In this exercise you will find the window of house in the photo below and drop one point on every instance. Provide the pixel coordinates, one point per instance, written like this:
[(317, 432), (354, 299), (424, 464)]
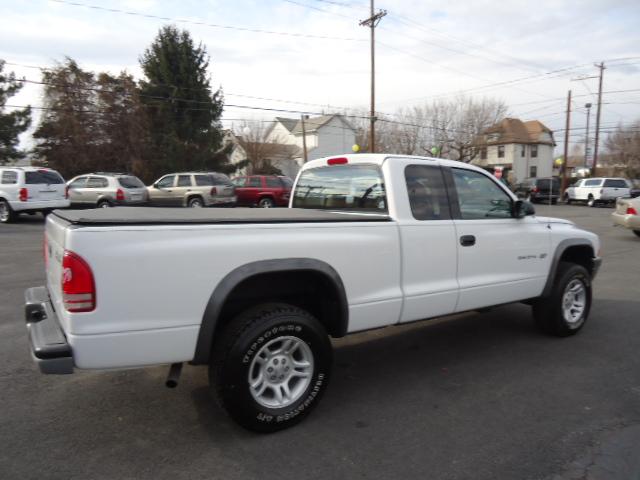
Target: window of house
[(533, 171), (483, 153), (9, 177), (534, 151), (184, 180), (523, 150), (479, 196), (427, 194), (500, 151)]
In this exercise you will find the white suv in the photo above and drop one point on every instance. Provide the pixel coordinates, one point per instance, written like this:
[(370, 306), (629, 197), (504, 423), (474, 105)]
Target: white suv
[(30, 190), (597, 190)]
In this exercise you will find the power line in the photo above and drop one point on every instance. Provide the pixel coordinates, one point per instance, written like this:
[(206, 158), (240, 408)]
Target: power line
[(206, 24)]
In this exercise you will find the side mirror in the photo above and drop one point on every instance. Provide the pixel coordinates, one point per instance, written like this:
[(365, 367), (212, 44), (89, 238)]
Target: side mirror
[(155, 185), (522, 208)]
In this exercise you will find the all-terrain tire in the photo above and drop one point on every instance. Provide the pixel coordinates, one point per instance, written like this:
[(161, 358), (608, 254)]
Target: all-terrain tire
[(559, 314), (248, 348)]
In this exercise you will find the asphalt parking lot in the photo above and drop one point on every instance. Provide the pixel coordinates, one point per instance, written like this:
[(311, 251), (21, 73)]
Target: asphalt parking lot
[(480, 396)]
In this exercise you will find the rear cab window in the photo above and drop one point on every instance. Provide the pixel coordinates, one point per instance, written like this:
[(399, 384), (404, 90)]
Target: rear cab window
[(341, 187), (42, 177)]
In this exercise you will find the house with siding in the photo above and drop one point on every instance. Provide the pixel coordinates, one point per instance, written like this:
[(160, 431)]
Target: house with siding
[(325, 135), (520, 149)]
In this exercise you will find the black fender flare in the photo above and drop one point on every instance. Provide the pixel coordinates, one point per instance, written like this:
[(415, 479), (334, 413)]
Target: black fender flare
[(555, 261), (235, 277)]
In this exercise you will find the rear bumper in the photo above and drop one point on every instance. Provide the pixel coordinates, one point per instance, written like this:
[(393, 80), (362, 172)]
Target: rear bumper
[(222, 201), (39, 205), (49, 346), (627, 221)]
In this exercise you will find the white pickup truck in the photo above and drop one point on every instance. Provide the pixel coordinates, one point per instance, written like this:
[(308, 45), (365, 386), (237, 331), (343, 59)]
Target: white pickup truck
[(256, 294)]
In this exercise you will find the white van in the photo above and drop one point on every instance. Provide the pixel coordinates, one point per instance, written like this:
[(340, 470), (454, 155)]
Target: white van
[(30, 190)]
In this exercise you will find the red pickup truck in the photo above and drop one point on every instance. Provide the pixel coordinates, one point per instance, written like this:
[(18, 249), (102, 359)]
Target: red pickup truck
[(265, 191)]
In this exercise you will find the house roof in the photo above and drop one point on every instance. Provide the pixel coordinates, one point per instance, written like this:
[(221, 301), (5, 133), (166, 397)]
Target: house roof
[(514, 130), (311, 124), (288, 123)]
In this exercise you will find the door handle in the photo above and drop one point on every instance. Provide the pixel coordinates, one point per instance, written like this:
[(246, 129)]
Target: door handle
[(467, 240)]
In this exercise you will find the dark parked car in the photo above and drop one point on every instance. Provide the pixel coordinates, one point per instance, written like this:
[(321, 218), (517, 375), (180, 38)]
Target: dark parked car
[(544, 190), (265, 191)]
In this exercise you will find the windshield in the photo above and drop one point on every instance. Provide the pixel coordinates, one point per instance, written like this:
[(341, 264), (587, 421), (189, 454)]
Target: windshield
[(130, 182), (343, 187)]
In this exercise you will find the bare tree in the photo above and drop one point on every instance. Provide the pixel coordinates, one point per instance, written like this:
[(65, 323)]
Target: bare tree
[(262, 149), (623, 146), (451, 126)]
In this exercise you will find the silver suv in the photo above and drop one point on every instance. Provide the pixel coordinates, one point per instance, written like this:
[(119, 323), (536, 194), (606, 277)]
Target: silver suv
[(193, 189), (103, 190)]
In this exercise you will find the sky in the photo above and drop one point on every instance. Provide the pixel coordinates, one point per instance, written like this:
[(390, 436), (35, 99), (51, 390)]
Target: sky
[(312, 55)]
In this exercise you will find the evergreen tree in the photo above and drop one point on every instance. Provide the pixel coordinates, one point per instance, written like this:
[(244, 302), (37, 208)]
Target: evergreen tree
[(12, 124), (184, 114)]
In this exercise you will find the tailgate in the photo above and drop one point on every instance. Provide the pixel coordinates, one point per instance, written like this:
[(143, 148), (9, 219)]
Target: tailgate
[(55, 232), (44, 185)]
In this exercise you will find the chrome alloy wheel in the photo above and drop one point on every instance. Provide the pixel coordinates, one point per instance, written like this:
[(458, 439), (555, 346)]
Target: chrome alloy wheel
[(280, 372), (4, 212), (574, 301)]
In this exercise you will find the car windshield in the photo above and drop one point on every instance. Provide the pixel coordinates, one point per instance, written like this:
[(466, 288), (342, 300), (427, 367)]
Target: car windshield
[(130, 182), (39, 177)]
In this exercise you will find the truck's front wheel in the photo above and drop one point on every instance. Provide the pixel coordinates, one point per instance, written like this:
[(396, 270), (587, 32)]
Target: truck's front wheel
[(270, 367), (565, 311)]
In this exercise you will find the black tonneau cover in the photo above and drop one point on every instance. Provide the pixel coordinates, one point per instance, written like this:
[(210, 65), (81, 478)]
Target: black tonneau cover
[(162, 216)]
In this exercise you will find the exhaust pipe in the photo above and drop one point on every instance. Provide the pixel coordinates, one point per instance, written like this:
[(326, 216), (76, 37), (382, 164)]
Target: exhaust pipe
[(174, 374)]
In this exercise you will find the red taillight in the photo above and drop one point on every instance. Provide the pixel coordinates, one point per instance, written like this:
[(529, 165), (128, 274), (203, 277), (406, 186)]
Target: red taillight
[(45, 250), (66, 192), (631, 211), (23, 195), (78, 287), (214, 191), (119, 195), (337, 161), (534, 189)]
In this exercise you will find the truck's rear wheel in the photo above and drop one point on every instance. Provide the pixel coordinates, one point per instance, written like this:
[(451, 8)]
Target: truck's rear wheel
[(270, 367), (7, 214), (565, 311)]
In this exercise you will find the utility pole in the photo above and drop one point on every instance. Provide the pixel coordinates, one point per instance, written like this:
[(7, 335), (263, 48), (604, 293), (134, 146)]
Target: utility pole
[(304, 138), (595, 147), (372, 22), (566, 144), (586, 137)]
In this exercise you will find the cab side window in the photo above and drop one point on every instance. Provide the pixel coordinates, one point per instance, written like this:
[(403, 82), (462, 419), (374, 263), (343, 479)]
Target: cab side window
[(479, 196), (78, 182), (255, 182), (427, 193)]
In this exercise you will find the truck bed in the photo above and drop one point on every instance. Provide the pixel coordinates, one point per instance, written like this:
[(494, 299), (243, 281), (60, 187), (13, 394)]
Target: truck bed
[(173, 216)]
